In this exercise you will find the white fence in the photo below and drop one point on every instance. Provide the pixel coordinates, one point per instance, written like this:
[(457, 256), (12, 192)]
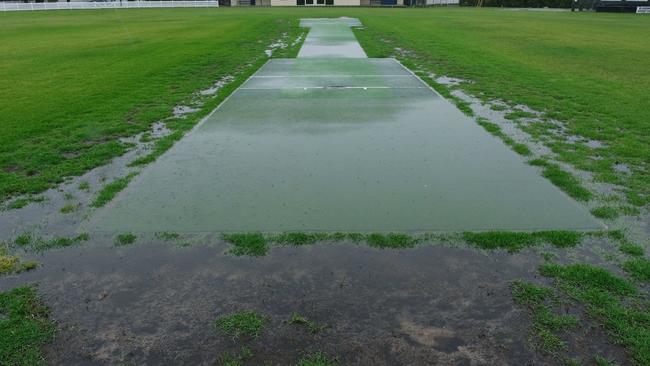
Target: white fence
[(442, 2), (6, 6)]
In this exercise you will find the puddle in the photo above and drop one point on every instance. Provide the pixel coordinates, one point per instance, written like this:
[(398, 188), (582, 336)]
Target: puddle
[(156, 304), (217, 86), (264, 162), (622, 168), (181, 111), (445, 80), (287, 151)]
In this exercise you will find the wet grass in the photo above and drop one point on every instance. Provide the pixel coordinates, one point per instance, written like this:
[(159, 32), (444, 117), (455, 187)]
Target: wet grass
[(495, 130), (563, 72), (299, 238), (391, 240), (258, 244), (39, 244), (24, 327), (515, 241), (638, 268), (245, 323), (22, 202), (517, 114), (110, 190), (84, 186), (11, 263), (605, 212), (565, 181), (78, 81), (70, 208), (547, 325), (611, 300), (317, 359), (125, 239), (631, 249), (251, 244)]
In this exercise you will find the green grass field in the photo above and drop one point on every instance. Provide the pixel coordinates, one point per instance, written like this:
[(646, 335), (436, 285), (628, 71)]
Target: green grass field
[(586, 70), (73, 82)]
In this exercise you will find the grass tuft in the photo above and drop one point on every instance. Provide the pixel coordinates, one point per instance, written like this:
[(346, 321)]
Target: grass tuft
[(610, 299), (125, 239), (563, 180), (69, 208), (84, 186), (22, 202), (41, 244), (23, 239), (110, 190), (252, 244), (631, 249), (546, 324), (638, 268), (605, 212), (529, 294), (245, 323), (588, 277)]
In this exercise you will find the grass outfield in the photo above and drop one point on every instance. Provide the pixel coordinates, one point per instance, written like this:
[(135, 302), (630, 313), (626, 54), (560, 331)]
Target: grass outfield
[(71, 82), (587, 70)]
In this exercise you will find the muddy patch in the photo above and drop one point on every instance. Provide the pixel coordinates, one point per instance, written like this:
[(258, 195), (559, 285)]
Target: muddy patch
[(156, 304)]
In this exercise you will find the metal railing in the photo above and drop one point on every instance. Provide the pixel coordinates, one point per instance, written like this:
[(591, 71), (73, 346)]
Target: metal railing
[(74, 5)]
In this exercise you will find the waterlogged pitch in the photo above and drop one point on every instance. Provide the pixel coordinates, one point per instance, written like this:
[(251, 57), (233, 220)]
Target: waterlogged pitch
[(339, 143)]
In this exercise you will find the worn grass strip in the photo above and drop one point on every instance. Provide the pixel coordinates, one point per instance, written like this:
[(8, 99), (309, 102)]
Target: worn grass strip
[(106, 194), (515, 241), (28, 241), (258, 244)]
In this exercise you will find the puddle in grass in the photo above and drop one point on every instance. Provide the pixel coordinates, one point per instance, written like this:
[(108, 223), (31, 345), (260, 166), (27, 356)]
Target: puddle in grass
[(154, 303)]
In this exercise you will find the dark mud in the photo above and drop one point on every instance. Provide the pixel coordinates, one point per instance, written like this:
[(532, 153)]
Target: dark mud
[(156, 303)]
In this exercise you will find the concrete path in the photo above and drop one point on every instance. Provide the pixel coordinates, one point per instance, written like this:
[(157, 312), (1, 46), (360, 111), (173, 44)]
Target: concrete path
[(339, 144)]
